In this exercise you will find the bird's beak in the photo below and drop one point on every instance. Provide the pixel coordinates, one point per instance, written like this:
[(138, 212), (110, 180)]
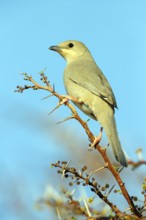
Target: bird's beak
[(55, 48)]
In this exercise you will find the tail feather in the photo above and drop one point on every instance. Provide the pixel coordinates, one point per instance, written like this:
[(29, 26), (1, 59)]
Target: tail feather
[(112, 135)]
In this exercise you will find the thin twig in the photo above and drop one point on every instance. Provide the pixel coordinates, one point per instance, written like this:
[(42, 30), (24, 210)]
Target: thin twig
[(136, 164), (95, 171)]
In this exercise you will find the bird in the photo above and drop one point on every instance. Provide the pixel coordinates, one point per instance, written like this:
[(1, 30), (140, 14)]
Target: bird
[(89, 89)]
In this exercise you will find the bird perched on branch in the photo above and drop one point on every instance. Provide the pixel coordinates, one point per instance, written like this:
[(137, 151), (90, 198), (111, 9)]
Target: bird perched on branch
[(89, 89)]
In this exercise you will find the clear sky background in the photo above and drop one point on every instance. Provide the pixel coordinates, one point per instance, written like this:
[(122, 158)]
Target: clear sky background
[(115, 33)]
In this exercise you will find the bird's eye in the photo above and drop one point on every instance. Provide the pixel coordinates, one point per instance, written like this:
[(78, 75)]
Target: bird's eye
[(70, 45)]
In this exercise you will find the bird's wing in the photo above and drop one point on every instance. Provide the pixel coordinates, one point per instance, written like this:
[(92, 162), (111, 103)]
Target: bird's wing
[(92, 78)]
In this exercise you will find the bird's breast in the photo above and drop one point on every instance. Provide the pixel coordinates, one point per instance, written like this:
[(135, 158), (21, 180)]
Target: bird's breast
[(84, 96)]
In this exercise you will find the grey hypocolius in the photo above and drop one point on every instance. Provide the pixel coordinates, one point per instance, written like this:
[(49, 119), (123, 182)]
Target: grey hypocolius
[(85, 82)]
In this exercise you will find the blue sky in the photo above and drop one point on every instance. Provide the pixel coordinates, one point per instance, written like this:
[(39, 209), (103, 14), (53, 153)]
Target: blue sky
[(115, 33)]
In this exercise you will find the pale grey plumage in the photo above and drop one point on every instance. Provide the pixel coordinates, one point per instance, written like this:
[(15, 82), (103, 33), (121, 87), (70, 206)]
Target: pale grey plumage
[(84, 80)]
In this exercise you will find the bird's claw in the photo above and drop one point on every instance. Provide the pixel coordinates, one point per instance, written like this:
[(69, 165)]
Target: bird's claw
[(64, 101), (66, 98), (96, 140)]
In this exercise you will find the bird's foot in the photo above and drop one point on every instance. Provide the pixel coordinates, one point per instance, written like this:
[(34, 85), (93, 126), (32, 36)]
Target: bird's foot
[(96, 140), (66, 98)]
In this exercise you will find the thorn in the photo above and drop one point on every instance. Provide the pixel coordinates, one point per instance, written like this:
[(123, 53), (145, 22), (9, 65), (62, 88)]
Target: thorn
[(61, 102), (121, 169), (53, 87), (106, 147), (42, 71), (58, 105), (111, 190), (47, 96), (66, 119), (65, 169), (72, 192), (87, 208), (94, 171), (58, 213)]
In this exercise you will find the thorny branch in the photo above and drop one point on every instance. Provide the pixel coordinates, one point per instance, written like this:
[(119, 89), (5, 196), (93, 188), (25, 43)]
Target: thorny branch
[(47, 86), (77, 207), (80, 177)]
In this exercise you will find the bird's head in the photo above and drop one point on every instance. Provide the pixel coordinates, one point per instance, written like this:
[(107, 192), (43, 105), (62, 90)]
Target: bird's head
[(71, 50)]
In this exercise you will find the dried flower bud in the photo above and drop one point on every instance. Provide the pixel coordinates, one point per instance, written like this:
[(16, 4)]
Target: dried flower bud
[(106, 185), (95, 184), (84, 168)]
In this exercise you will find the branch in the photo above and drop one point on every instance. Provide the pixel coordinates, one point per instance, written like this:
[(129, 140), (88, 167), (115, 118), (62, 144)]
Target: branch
[(91, 137), (79, 177), (136, 164)]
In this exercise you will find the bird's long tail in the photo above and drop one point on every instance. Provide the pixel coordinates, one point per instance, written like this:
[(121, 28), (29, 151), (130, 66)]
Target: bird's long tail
[(112, 135)]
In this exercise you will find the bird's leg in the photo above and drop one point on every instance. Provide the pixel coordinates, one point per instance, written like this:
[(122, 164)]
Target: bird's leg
[(97, 139), (66, 98)]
